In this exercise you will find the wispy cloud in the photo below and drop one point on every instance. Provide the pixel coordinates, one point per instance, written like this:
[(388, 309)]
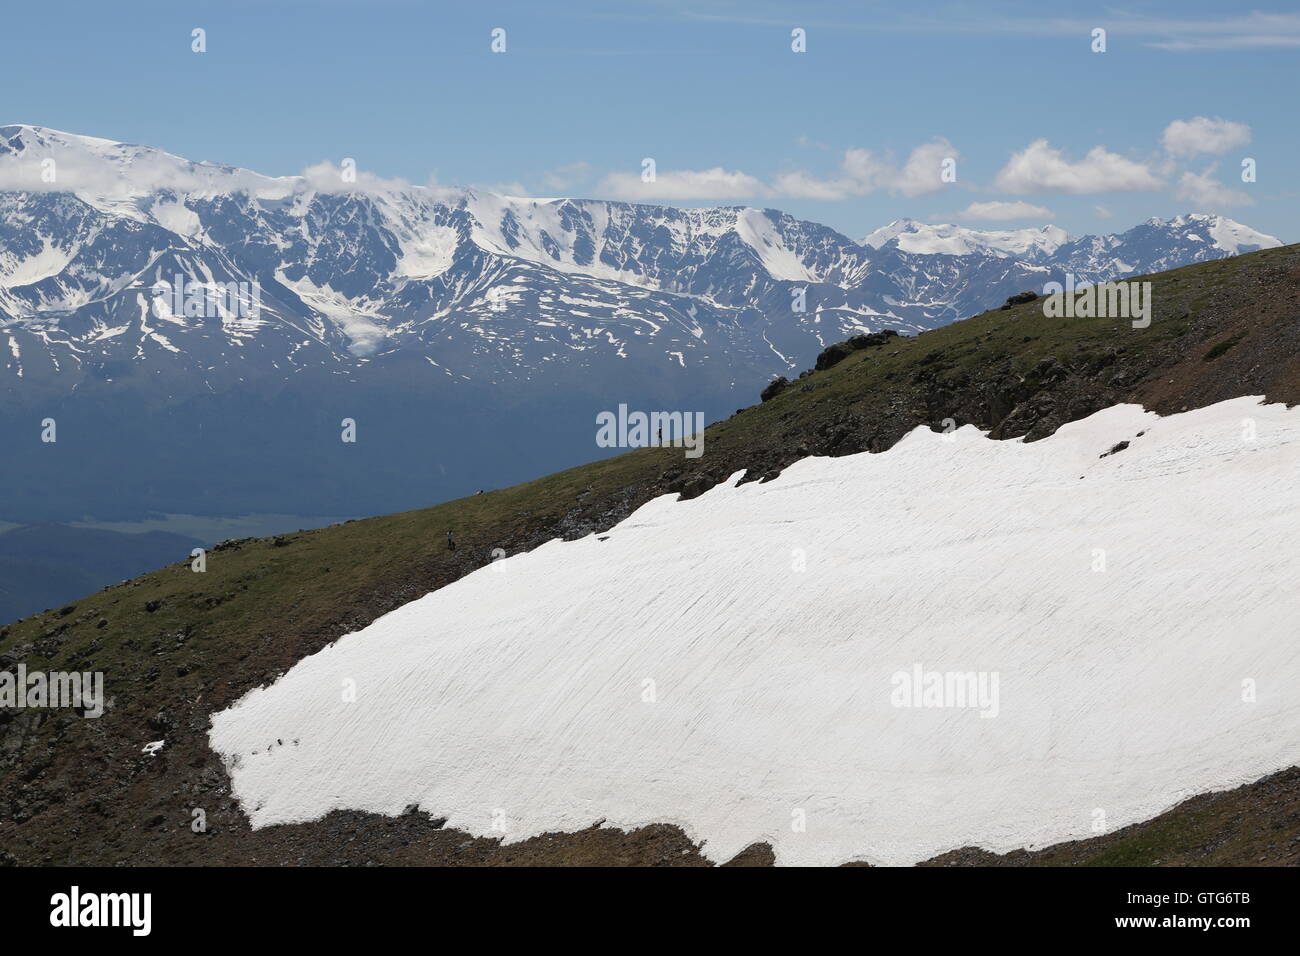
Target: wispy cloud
[(567, 176), (1247, 31), (1253, 30)]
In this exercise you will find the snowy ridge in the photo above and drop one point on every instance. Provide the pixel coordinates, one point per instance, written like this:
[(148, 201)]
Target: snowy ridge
[(949, 240), (682, 668)]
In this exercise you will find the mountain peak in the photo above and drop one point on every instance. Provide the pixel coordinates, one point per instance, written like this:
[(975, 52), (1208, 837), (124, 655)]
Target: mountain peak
[(1218, 231)]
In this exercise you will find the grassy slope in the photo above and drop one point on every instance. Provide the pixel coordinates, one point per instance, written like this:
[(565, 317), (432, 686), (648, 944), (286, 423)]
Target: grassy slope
[(176, 646)]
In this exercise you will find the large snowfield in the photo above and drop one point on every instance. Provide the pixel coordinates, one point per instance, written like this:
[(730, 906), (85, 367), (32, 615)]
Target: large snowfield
[(738, 664)]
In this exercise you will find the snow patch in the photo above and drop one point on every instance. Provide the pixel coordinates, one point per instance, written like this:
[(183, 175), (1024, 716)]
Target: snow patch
[(758, 232), (683, 668)]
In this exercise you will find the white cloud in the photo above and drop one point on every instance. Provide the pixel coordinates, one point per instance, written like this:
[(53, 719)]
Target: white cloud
[(862, 172), (803, 185), (1040, 168), (922, 173), (1102, 212), (715, 183), (1204, 135), (325, 177), (1208, 193), (998, 211)]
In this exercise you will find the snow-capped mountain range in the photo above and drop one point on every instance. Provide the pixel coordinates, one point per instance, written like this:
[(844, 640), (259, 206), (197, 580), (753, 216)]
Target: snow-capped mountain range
[(458, 304), (484, 287), (1155, 245)]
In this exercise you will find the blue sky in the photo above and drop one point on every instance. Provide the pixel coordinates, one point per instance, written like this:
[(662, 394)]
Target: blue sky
[(848, 133)]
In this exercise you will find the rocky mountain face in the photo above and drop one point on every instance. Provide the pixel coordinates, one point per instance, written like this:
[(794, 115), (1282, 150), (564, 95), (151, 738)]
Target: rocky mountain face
[(198, 332)]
